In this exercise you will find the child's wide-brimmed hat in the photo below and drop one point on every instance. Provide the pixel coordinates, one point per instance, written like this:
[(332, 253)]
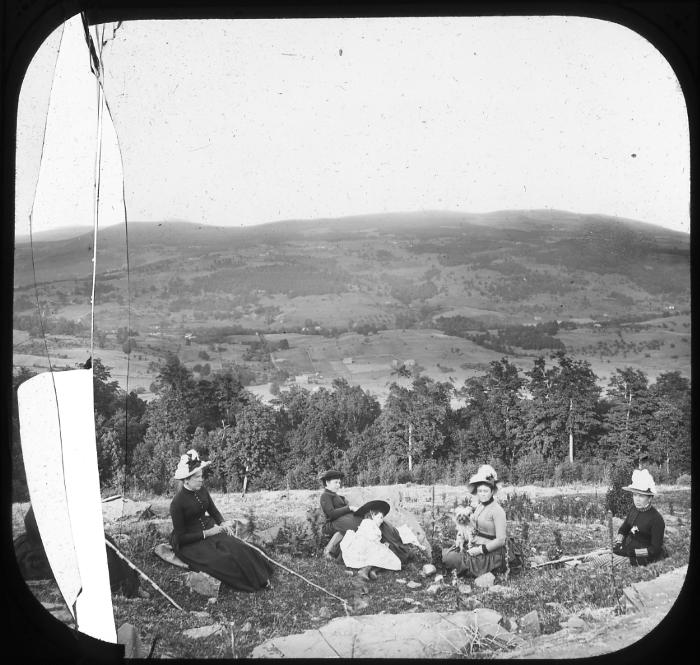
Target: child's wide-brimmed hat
[(331, 474), (642, 483), (189, 463), (486, 475), (376, 504)]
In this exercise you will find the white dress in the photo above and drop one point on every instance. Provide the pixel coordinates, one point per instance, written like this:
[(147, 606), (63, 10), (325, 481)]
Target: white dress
[(363, 548)]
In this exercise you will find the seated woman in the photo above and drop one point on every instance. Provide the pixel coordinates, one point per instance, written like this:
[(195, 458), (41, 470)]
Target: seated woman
[(487, 552), (640, 538), (205, 541), (340, 518), (363, 548)]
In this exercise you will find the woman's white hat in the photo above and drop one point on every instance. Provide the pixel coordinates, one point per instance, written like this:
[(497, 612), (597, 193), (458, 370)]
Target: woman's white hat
[(188, 464), (642, 483), (486, 475)]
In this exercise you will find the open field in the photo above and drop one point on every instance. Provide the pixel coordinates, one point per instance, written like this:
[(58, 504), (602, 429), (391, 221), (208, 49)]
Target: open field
[(568, 515)]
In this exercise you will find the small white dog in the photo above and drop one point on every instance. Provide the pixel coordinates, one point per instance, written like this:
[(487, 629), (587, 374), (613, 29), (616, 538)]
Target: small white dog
[(465, 531)]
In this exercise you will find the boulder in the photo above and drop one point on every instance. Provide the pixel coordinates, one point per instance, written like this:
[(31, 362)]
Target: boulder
[(119, 508), (464, 589), (484, 581), (204, 631), (574, 623), (412, 634), (413, 585), (203, 584), (428, 569), (530, 623), (129, 637)]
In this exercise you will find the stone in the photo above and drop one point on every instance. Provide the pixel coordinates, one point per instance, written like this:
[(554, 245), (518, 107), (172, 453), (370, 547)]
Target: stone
[(204, 631), (246, 627), (410, 601), (324, 613), (530, 623), (129, 637), (428, 569), (439, 578), (433, 588), (203, 584), (575, 623), (464, 589), (484, 581), (400, 580), (413, 585), (118, 508), (200, 615), (411, 634), (212, 601)]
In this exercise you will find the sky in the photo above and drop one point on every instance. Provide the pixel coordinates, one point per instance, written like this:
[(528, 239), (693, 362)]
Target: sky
[(244, 122)]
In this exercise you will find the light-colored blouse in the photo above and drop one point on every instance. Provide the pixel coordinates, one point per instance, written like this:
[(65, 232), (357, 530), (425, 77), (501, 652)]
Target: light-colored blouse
[(490, 519)]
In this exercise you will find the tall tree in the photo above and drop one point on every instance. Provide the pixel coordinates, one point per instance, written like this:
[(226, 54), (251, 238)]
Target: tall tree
[(563, 417), (494, 408), (254, 444), (630, 420), (415, 420)]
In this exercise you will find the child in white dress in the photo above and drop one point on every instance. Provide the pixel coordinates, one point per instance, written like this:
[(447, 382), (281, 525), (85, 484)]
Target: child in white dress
[(363, 548)]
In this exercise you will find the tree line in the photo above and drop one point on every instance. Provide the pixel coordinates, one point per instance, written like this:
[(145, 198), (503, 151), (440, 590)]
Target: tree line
[(553, 421)]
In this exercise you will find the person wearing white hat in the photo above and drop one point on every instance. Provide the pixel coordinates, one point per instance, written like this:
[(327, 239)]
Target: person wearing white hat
[(489, 524), (204, 541), (641, 535)]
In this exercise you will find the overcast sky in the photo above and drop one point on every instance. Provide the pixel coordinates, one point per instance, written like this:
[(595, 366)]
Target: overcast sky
[(251, 121)]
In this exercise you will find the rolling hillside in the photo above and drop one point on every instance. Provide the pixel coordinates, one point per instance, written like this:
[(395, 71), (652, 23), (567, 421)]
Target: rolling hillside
[(360, 275)]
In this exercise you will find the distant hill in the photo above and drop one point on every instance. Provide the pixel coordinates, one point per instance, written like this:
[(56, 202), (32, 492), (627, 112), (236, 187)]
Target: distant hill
[(388, 269)]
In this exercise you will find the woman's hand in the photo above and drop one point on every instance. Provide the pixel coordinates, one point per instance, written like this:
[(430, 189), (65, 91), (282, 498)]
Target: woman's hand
[(475, 551), (229, 527), (353, 508), (214, 530)]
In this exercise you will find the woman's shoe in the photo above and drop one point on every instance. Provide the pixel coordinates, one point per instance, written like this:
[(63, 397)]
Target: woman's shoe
[(364, 573)]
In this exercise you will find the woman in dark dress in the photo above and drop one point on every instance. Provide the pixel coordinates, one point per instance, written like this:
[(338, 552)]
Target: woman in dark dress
[(204, 541), (340, 518), (486, 553), (640, 538)]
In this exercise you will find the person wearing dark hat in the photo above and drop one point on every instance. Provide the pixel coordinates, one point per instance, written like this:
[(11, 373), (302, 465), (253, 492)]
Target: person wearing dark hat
[(363, 548), (339, 513), (204, 541), (641, 536), (488, 521), (341, 518)]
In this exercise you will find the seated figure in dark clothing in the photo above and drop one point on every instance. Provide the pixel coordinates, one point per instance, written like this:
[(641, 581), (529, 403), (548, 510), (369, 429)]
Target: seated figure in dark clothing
[(641, 535), (33, 564), (204, 541), (341, 517)]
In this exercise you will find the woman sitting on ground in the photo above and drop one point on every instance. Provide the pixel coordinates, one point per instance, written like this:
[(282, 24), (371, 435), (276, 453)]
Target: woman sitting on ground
[(363, 548), (341, 517), (204, 541), (640, 538), (486, 552)]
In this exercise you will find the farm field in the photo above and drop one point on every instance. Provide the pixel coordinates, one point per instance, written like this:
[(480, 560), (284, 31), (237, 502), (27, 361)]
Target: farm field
[(571, 518)]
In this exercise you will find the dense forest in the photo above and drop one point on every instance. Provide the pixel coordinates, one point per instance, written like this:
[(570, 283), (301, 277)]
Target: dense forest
[(525, 424)]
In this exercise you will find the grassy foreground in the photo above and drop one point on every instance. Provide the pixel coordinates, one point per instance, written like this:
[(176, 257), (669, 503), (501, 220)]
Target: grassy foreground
[(570, 522)]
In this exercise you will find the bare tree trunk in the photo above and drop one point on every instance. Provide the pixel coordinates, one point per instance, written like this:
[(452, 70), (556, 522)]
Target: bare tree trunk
[(571, 431)]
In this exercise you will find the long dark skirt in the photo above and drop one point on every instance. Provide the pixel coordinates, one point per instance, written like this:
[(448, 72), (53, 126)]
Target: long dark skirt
[(227, 559), (472, 566)]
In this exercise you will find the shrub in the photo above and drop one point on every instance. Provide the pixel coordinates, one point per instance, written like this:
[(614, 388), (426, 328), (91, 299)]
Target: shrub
[(617, 500), (531, 468), (683, 479), (567, 472)]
